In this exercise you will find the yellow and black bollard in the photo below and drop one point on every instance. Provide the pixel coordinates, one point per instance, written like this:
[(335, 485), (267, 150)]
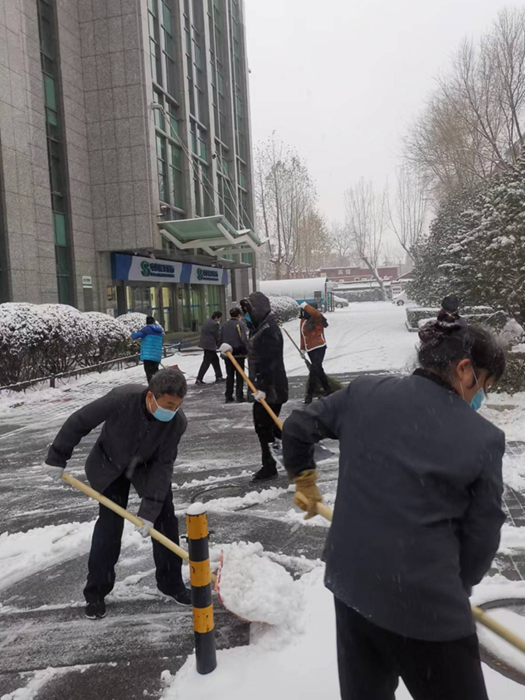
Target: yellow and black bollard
[(200, 579)]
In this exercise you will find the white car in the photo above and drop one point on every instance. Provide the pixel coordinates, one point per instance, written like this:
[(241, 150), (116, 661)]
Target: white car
[(402, 298), (340, 303)]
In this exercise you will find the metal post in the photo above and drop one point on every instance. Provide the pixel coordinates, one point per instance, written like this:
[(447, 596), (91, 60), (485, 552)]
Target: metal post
[(200, 579)]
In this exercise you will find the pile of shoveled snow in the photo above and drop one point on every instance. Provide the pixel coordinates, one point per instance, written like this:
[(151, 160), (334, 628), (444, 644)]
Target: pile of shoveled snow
[(256, 588), (298, 663)]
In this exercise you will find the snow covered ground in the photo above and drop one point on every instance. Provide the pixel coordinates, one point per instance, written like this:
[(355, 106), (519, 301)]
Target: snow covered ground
[(46, 531)]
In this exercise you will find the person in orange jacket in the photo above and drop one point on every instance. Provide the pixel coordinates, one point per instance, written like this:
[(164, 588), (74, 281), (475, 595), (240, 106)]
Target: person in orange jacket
[(313, 343)]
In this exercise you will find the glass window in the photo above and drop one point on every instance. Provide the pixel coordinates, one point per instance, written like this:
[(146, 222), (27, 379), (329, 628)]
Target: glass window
[(166, 18), (220, 83), (62, 257), (198, 55), (161, 168), (59, 226), (203, 150), (50, 94), (64, 295), (171, 76), (176, 179), (152, 6), (197, 190)]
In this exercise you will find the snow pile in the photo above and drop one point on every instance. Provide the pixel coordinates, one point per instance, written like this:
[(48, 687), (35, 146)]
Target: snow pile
[(37, 683), (285, 308), (23, 554), (256, 588), (280, 663), (254, 498)]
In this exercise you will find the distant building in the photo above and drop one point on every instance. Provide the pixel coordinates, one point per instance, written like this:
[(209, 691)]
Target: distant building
[(125, 156), (358, 274)]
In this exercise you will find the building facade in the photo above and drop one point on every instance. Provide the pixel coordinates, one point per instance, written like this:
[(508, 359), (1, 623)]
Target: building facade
[(358, 274), (125, 156)]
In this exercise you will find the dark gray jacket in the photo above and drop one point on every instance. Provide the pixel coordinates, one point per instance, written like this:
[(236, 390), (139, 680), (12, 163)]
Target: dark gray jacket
[(210, 335), (418, 513), (234, 333), (131, 442)]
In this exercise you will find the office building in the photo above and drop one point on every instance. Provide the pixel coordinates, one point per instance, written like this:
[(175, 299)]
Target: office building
[(125, 156)]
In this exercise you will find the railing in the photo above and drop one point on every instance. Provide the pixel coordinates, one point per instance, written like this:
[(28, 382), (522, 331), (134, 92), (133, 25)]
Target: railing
[(119, 362)]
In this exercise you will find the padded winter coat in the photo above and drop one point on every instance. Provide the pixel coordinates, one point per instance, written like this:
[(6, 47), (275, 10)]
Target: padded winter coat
[(131, 442), (235, 334), (312, 330), (418, 510), (266, 351), (150, 342), (209, 339)]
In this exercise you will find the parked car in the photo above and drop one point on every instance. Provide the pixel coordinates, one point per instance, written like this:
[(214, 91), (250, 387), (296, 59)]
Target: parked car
[(340, 303), (402, 299)]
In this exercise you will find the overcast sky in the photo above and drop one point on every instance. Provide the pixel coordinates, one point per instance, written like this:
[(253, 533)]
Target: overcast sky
[(340, 80)]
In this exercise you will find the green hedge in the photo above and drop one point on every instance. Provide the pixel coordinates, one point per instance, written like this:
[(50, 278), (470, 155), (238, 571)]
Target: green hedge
[(475, 314)]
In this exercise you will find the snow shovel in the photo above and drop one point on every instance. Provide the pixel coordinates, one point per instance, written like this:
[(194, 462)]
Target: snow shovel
[(479, 615), (334, 384), (182, 553), (321, 453)]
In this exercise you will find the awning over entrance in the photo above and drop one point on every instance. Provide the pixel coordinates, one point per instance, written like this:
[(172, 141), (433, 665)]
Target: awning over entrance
[(214, 234)]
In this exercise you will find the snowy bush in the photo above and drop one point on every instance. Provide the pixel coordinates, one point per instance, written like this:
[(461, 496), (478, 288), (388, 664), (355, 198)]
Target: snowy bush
[(285, 308), (362, 295), (22, 337), (474, 314), (132, 321), (513, 380), (69, 339), (112, 339), (39, 340)]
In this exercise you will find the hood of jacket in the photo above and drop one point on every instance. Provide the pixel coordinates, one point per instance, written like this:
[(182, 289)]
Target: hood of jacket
[(154, 329), (260, 308)]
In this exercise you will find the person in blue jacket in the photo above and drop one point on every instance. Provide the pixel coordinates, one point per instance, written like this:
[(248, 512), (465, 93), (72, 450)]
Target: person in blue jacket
[(150, 337)]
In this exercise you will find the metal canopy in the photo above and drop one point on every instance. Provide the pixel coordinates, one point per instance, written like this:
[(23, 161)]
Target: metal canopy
[(214, 234)]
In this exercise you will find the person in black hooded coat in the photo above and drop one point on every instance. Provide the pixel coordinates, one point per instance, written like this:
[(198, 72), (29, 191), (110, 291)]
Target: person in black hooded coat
[(268, 374)]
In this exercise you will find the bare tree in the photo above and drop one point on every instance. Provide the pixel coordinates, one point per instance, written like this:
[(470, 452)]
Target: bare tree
[(314, 244), (341, 243), (366, 217), (472, 124), (284, 195), (408, 214)]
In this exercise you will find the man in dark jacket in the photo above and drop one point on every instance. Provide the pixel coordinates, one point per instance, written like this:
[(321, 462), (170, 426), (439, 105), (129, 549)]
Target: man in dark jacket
[(234, 334), (150, 337), (137, 445), (269, 375), (209, 342)]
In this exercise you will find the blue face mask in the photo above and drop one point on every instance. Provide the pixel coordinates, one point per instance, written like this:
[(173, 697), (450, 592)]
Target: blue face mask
[(477, 399), (163, 414), (248, 318)]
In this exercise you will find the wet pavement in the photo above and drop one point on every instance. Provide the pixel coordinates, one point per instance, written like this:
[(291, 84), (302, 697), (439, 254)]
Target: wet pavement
[(123, 656)]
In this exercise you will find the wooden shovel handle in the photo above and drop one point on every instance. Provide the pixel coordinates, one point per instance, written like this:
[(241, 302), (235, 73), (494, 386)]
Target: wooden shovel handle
[(321, 509), (182, 553), (479, 615), (239, 369)]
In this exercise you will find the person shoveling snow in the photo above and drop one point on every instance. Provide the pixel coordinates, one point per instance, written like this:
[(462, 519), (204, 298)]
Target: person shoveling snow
[(138, 445), (417, 516)]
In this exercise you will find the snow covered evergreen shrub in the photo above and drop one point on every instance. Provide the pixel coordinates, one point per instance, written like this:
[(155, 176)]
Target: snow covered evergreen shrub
[(132, 321), (69, 340), (111, 338), (513, 380), (22, 338), (285, 308), (362, 295), (474, 314)]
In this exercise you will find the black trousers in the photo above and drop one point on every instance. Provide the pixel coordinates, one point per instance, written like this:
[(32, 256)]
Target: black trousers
[(210, 358), (371, 661), (317, 376), (234, 378), (107, 537), (150, 368), (265, 427)]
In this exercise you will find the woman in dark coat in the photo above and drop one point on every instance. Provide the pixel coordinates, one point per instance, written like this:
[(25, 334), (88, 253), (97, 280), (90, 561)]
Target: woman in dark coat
[(268, 374), (417, 516)]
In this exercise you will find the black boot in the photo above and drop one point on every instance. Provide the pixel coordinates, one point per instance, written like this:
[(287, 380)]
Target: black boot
[(269, 467)]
